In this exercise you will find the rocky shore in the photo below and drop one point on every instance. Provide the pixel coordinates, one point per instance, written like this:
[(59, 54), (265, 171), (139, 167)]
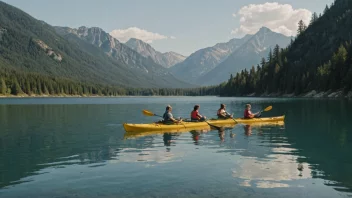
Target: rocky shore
[(311, 94)]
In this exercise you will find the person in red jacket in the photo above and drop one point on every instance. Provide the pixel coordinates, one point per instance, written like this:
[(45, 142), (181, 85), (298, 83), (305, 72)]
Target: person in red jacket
[(248, 114), (195, 116)]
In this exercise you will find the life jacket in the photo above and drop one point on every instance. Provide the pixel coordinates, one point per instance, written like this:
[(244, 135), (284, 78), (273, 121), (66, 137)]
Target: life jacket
[(194, 115), (246, 113)]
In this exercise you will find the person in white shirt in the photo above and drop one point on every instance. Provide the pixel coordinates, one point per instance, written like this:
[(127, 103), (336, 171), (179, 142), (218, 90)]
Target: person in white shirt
[(222, 114)]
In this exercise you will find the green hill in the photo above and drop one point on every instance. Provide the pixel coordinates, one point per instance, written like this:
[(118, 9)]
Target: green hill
[(31, 46)]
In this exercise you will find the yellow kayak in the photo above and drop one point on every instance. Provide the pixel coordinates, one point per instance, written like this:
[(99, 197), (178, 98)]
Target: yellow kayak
[(196, 125), (137, 134)]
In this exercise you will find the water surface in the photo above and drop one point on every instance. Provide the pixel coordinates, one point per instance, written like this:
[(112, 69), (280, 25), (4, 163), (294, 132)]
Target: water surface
[(76, 147)]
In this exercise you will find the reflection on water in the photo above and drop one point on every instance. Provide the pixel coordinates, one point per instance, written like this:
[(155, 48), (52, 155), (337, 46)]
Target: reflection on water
[(248, 130), (83, 151)]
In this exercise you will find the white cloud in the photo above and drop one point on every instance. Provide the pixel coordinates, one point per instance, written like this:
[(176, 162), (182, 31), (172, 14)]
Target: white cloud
[(281, 18), (123, 35), (172, 37)]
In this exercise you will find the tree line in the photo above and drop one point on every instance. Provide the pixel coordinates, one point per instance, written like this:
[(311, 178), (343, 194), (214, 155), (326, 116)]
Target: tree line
[(18, 83)]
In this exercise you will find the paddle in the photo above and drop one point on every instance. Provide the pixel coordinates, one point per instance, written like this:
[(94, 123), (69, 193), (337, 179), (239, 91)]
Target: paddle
[(234, 120), (264, 110), (267, 109), (149, 113), (218, 128)]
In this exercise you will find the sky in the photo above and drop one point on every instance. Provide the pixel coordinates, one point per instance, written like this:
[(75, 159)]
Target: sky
[(182, 26)]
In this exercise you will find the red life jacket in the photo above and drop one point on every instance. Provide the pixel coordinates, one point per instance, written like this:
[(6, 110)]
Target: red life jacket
[(194, 115), (246, 113)]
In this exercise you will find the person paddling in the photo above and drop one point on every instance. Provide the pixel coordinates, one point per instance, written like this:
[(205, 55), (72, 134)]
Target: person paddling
[(195, 116), (248, 114), (222, 114), (168, 117)]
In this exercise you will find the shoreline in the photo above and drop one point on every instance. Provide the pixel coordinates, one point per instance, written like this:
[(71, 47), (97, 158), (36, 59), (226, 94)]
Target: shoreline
[(311, 94), (88, 96)]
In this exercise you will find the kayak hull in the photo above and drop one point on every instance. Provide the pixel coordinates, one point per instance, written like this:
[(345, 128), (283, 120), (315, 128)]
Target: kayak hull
[(137, 134), (197, 125), (164, 127)]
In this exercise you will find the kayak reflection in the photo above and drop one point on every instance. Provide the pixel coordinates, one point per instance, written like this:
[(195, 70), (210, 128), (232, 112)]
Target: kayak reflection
[(221, 133), (247, 130), (195, 137), (169, 137)]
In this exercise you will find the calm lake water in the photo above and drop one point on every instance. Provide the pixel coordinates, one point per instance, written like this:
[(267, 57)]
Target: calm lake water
[(77, 147)]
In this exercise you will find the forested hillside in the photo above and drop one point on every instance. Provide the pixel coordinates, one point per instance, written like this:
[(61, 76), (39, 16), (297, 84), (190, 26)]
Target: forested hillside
[(318, 59), (19, 83), (30, 45)]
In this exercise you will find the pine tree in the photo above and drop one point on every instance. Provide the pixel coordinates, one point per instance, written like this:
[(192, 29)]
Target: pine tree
[(231, 78), (45, 89), (276, 52), (270, 57), (326, 9), (277, 68), (28, 88), (16, 88), (301, 27), (291, 42), (3, 88), (263, 62), (39, 87), (314, 18)]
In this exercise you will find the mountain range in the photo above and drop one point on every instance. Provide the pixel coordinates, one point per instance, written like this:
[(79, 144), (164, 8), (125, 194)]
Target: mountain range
[(89, 54), (247, 55), (120, 52), (202, 61), (213, 65)]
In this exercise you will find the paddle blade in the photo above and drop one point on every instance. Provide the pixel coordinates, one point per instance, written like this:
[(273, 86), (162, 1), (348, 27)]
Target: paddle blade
[(148, 113), (268, 108)]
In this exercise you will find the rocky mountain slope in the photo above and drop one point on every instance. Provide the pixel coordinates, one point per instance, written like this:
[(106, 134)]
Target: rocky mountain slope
[(159, 76), (204, 60), (213, 65), (249, 54), (167, 59)]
